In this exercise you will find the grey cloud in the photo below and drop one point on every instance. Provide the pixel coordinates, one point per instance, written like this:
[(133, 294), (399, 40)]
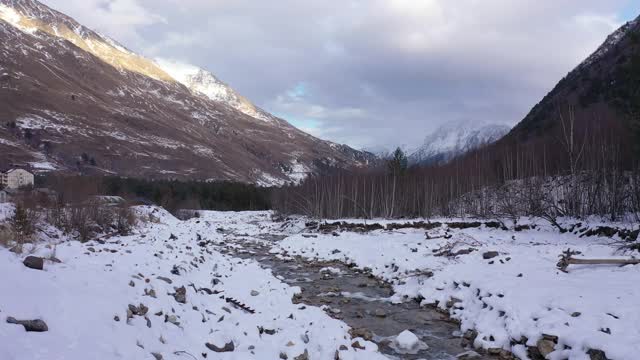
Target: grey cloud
[(376, 72)]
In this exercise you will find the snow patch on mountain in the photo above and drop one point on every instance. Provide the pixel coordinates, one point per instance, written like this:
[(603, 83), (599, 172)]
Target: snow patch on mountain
[(456, 138), (205, 83), (267, 180), (295, 172), (611, 41), (298, 171), (43, 165), (11, 16)]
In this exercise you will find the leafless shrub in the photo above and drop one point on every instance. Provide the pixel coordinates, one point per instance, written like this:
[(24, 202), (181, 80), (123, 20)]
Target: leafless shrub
[(79, 222), (87, 220), (55, 213), (124, 219), (7, 236), (23, 223), (152, 219)]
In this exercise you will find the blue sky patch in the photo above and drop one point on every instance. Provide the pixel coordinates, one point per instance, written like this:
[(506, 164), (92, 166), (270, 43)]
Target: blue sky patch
[(631, 10)]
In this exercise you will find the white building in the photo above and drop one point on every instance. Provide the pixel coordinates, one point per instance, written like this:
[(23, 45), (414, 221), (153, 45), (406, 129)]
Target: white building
[(16, 178)]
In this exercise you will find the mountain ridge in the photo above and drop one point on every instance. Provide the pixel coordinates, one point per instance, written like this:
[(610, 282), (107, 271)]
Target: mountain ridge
[(205, 83), (602, 87), (75, 103), (454, 139)]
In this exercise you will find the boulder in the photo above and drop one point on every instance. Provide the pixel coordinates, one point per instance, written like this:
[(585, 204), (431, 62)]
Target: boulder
[(545, 347), (34, 262), (408, 343), (303, 356), (362, 333), (228, 347), (597, 354), (181, 295), (470, 335), (490, 255), (141, 310), (30, 325), (407, 340)]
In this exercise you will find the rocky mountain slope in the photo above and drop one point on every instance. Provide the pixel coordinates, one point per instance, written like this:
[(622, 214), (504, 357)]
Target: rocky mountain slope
[(202, 82), (456, 138), (604, 87), (75, 100)]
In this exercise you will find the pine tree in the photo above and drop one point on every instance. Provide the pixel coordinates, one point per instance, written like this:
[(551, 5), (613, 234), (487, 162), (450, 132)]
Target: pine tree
[(397, 167), (398, 163)]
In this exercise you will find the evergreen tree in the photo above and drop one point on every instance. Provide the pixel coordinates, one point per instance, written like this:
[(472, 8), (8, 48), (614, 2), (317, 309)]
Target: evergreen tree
[(398, 163)]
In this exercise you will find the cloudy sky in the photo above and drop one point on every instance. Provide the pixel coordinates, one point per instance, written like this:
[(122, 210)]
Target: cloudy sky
[(369, 73)]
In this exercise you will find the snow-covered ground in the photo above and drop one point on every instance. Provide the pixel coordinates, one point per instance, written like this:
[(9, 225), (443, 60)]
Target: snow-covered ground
[(517, 293), (84, 299)]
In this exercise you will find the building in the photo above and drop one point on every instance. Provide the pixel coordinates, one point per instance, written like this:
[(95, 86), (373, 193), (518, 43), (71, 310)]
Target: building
[(16, 178), (4, 196)]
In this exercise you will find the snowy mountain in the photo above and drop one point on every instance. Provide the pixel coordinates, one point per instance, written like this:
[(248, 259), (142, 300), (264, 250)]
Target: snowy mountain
[(454, 139), (205, 83), (76, 101)]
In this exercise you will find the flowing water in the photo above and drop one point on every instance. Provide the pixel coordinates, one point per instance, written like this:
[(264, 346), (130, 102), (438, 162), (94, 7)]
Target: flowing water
[(360, 300)]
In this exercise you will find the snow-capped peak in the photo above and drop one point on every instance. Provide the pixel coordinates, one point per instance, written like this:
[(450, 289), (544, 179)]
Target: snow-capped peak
[(205, 83), (456, 138)]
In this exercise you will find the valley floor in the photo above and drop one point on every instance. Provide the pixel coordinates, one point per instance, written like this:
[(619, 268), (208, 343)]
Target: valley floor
[(164, 292), (503, 285), (173, 290)]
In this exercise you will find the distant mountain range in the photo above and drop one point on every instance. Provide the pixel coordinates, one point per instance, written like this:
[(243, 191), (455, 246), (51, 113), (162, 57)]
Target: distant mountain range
[(448, 141), (456, 138), (76, 101)]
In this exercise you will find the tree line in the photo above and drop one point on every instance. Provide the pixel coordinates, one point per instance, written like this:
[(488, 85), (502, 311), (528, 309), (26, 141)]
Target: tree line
[(170, 194), (581, 167)]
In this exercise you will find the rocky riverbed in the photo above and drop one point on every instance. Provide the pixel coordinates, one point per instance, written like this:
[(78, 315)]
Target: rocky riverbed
[(363, 302), (231, 285)]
